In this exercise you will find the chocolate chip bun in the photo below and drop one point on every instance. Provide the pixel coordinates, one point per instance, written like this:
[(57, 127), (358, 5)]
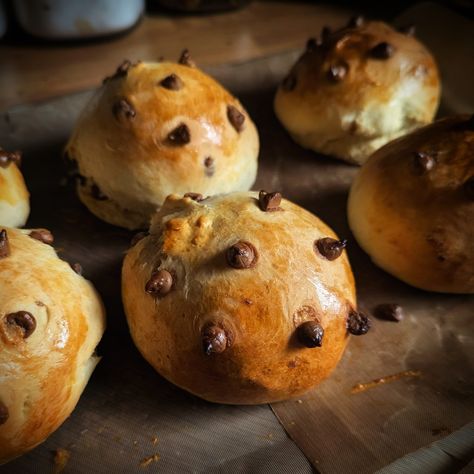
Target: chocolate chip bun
[(240, 298), (158, 128), (51, 320), (357, 88), (14, 197), (411, 207)]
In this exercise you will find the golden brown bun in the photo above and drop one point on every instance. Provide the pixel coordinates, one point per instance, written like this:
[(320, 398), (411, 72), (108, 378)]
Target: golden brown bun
[(229, 334), (411, 207), (358, 88), (46, 356), (158, 128), (14, 197)]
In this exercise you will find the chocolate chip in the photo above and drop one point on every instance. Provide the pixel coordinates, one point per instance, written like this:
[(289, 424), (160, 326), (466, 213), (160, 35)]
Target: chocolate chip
[(338, 71), (209, 166), (180, 135), (4, 244), (409, 30), (4, 414), (24, 320), (330, 248), (185, 59), (43, 235), (310, 334), (172, 82), (312, 44), (160, 283), (236, 118), (195, 196), (137, 237), (325, 33), (121, 71), (77, 267), (214, 340), (242, 255), (289, 83), (358, 323), (269, 202), (7, 157), (123, 110), (468, 187), (97, 193), (382, 50), (423, 162), (389, 312), (356, 21)]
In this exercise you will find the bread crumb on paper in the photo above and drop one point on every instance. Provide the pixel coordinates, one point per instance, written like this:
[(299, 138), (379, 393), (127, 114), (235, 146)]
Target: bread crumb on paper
[(145, 462), (61, 458)]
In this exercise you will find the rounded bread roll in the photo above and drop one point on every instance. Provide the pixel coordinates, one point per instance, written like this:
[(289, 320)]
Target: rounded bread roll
[(14, 196), (51, 320), (240, 298), (411, 207), (158, 128), (357, 88)]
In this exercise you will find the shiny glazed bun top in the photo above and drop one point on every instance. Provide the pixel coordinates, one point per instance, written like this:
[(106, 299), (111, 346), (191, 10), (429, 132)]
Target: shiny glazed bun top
[(411, 207), (158, 128), (356, 88), (240, 298)]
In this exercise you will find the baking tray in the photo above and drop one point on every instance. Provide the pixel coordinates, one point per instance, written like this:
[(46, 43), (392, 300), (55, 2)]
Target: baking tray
[(128, 413)]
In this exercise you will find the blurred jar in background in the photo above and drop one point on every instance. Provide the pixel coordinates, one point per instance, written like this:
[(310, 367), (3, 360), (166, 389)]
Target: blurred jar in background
[(73, 19)]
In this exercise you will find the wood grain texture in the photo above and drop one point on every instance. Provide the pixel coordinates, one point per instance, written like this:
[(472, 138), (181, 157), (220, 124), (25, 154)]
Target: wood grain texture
[(33, 72)]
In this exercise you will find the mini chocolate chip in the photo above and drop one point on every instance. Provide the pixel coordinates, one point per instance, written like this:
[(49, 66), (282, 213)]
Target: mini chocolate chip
[(311, 44), (330, 248), (358, 323), (185, 59), (409, 30), (123, 110), (236, 118), (43, 235), (338, 71), (269, 202), (77, 267), (356, 21), (195, 196), (121, 71), (137, 237), (97, 193), (209, 166), (160, 283), (214, 340), (325, 33), (24, 320), (7, 157), (172, 82), (389, 312), (180, 135), (4, 244), (468, 187), (289, 82), (242, 255), (4, 414), (382, 50), (310, 334), (423, 162)]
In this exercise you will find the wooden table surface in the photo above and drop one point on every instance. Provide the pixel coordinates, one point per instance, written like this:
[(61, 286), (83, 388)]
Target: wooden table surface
[(30, 71)]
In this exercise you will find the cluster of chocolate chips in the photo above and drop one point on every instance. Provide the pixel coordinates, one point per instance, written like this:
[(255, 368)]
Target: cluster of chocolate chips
[(124, 111), (7, 157), (339, 69)]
